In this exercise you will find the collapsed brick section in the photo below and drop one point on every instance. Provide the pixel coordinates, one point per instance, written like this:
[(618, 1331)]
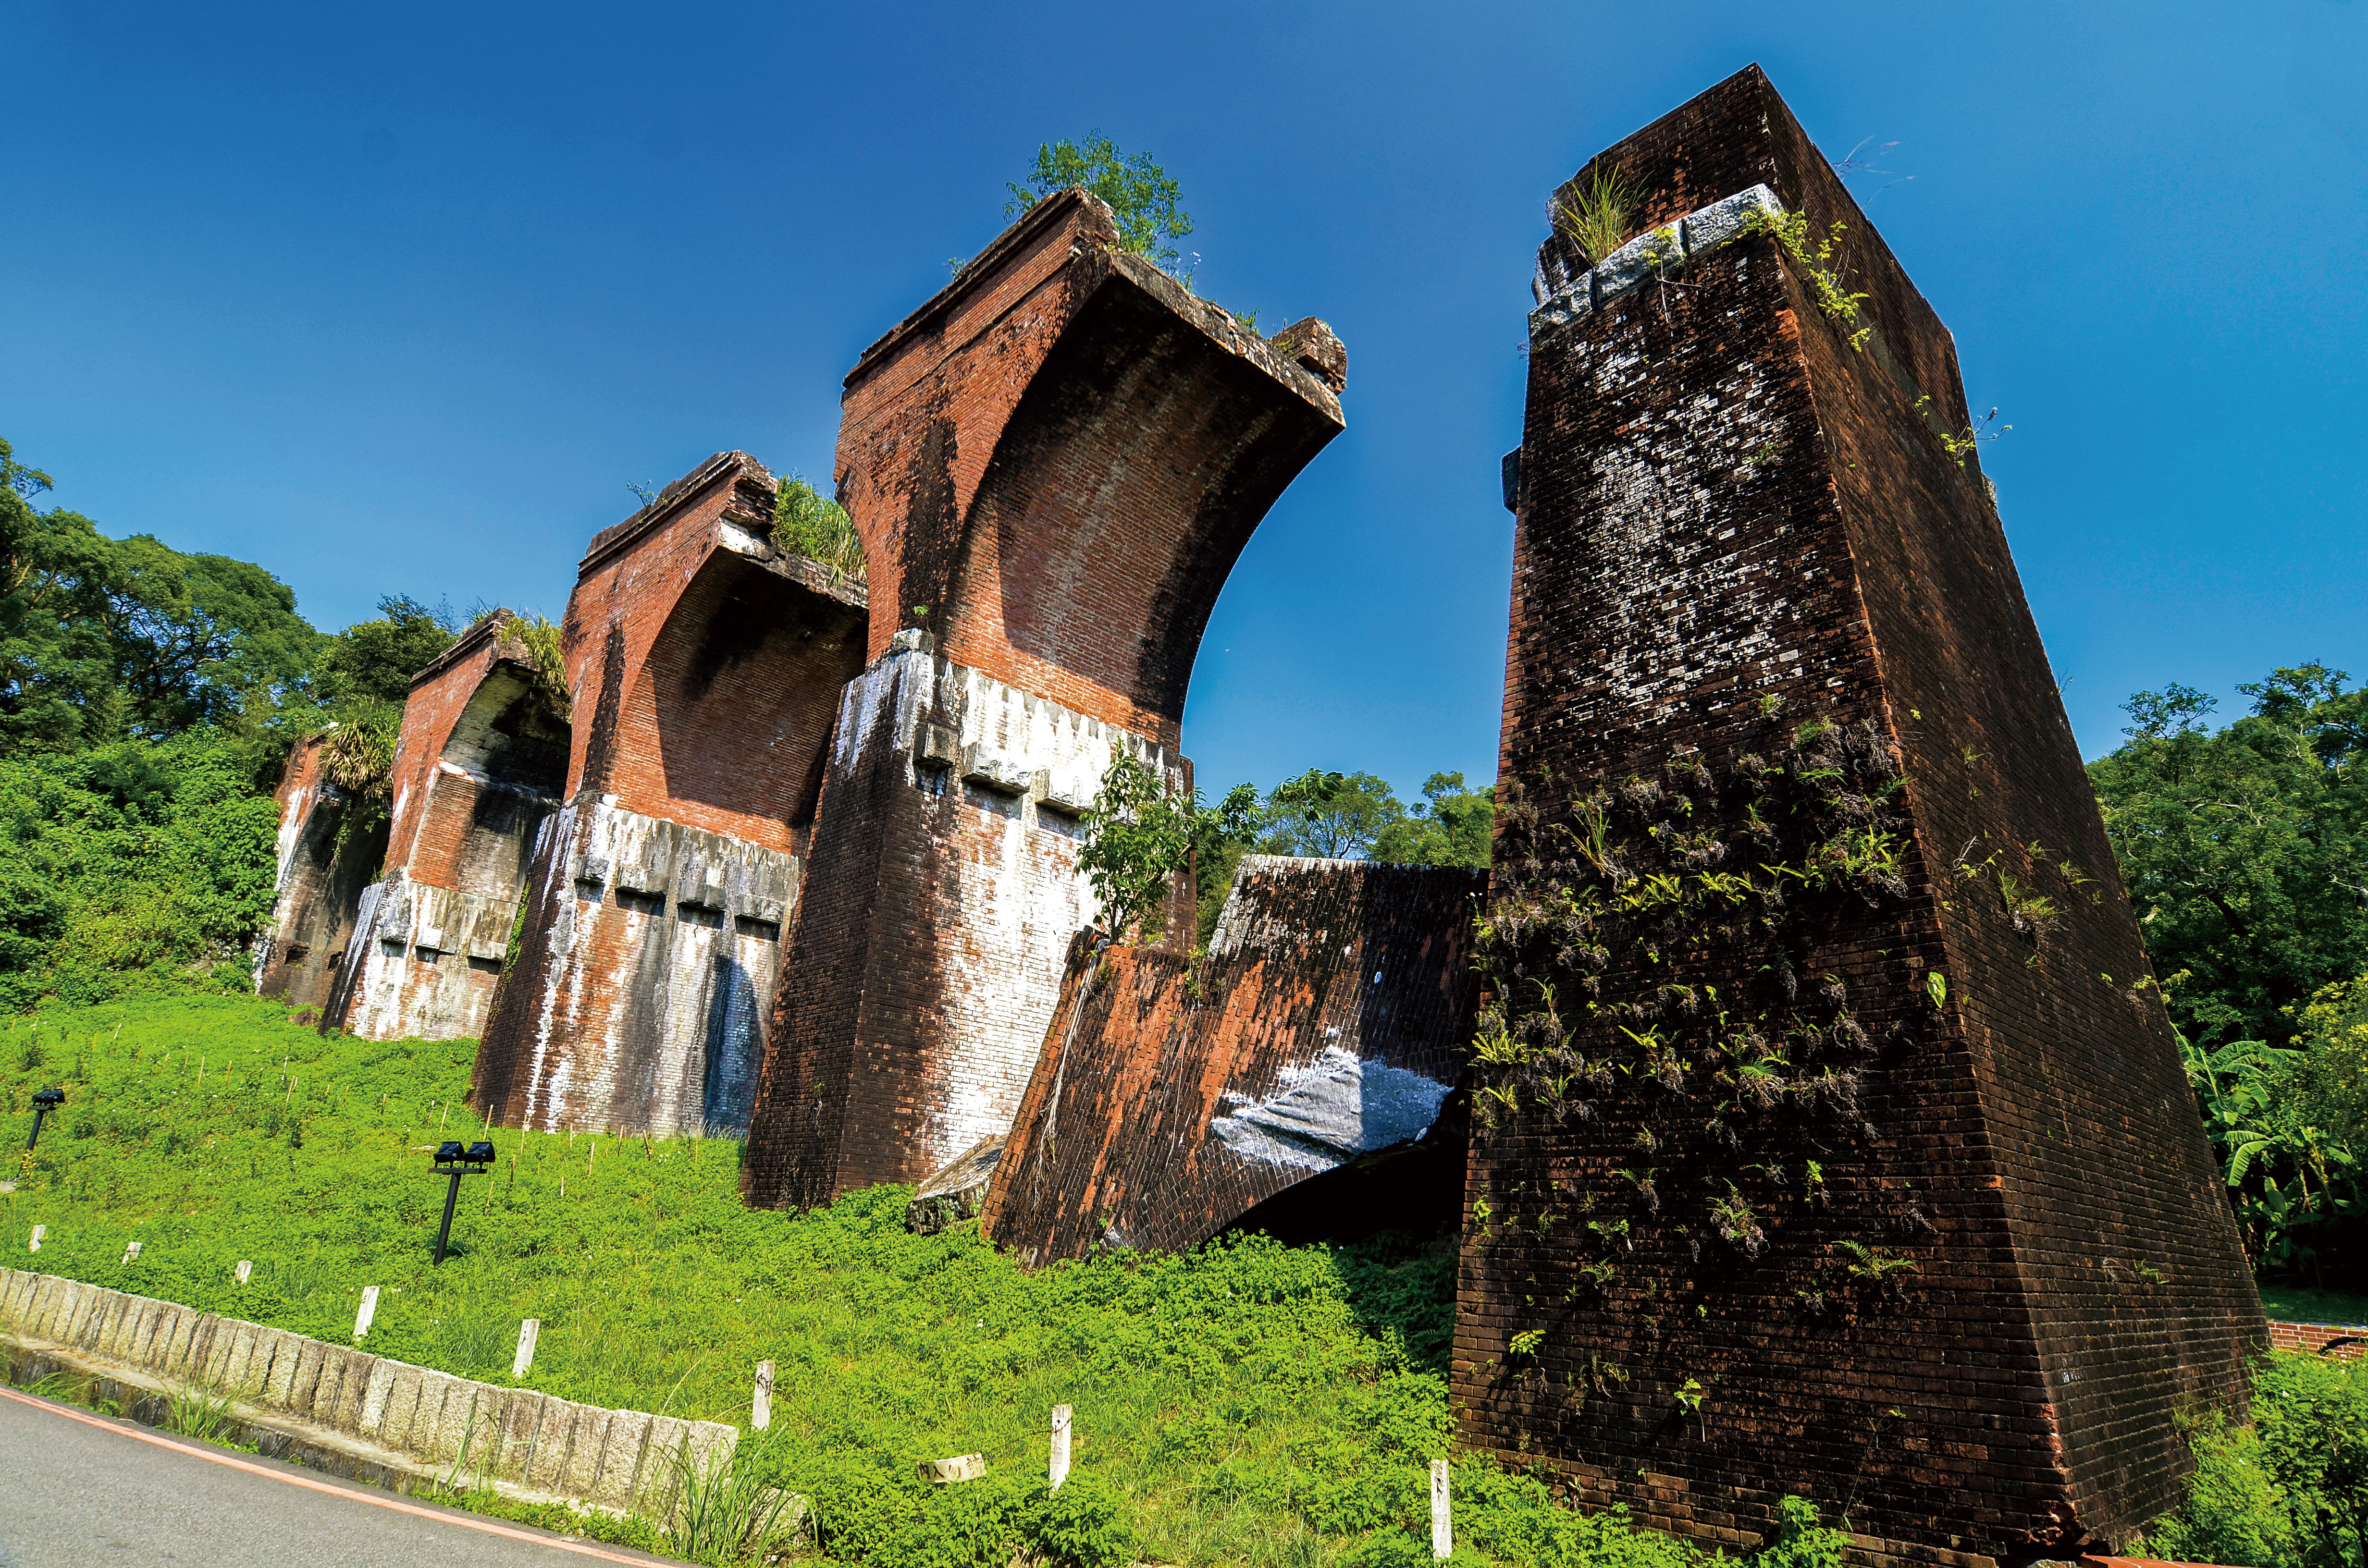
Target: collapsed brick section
[(1052, 466), (1830, 1136), (480, 763), (1320, 1038), (705, 664), (323, 867)]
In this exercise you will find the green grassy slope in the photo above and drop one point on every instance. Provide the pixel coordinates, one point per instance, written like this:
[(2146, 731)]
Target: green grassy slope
[(1255, 1403)]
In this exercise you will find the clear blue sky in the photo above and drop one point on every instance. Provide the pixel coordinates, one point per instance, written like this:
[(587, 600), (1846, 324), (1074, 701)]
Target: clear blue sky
[(404, 305)]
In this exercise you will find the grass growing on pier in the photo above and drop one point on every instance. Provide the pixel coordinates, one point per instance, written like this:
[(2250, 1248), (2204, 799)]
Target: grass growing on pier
[(1248, 1403)]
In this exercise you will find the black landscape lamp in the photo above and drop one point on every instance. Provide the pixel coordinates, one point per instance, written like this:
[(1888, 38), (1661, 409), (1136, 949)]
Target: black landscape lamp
[(44, 1102), (456, 1162)]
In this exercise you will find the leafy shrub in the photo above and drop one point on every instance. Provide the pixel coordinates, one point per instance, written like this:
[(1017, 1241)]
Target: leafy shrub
[(1085, 1524), (2291, 1489)]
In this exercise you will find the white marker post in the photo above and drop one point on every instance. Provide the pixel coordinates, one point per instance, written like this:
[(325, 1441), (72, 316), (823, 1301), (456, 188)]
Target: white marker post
[(524, 1359), (1442, 1521), (38, 1231), (131, 1251), (368, 1310), (1060, 1446), (760, 1409), (245, 1267)]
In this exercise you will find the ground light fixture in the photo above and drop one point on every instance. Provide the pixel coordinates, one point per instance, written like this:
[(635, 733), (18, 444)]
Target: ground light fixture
[(44, 1102), (455, 1161)]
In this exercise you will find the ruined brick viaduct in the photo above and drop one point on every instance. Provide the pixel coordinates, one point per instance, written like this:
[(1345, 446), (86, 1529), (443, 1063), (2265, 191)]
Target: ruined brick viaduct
[(1816, 1124)]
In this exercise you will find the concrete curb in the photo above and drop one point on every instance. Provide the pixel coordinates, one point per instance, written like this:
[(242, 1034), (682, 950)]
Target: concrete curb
[(344, 1412)]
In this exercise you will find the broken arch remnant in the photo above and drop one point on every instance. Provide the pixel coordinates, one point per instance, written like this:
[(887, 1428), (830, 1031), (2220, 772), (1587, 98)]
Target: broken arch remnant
[(478, 765), (1300, 1071), (1052, 466)]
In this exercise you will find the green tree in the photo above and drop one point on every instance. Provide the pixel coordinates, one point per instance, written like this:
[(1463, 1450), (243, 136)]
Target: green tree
[(1138, 191), (58, 688), (101, 637), (1332, 816), (1450, 825), (1140, 833), (375, 661), (134, 862), (2245, 849), (818, 528), (2330, 1081)]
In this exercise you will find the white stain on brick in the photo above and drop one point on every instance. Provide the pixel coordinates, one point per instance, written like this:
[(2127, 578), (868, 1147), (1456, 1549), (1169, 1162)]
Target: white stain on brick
[(663, 942)]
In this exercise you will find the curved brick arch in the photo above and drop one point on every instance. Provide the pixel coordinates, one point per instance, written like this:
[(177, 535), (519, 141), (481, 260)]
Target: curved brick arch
[(1052, 464), (724, 726), (479, 766), (706, 665), (1131, 474)]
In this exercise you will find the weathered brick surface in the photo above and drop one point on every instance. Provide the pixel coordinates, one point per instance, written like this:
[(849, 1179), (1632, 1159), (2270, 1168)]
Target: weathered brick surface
[(2341, 1340), (320, 886), (1330, 1022), (1724, 509), (1052, 465), (1055, 462), (940, 903), (705, 666), (480, 763)]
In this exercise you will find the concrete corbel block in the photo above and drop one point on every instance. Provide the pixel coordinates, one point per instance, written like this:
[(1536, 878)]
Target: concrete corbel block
[(66, 1312), (388, 1407), (460, 1417), (355, 1371), (236, 1340), (279, 1379), (912, 640), (105, 1320), (1720, 222), (305, 1378), (992, 769), (522, 1424), (663, 1448), (934, 745), (1648, 255)]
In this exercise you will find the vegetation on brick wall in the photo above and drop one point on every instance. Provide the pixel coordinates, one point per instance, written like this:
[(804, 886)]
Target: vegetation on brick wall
[(1649, 954), (1140, 195)]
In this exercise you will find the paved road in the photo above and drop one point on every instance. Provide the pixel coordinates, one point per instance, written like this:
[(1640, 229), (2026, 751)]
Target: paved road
[(80, 1492)]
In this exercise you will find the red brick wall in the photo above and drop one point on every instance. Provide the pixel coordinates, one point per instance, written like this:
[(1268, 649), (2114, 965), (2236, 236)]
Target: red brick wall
[(1329, 1022), (1723, 510), (706, 666), (1059, 458), (1052, 465), (320, 883), (2342, 1341), (477, 768), (686, 626)]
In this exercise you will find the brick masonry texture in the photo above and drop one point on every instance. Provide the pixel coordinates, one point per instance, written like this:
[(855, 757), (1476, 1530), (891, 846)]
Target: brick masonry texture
[(527, 1443), (705, 666), (1886, 1189), (1052, 465), (320, 886), (909, 1018), (480, 763), (1327, 1027), (2342, 1341)]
